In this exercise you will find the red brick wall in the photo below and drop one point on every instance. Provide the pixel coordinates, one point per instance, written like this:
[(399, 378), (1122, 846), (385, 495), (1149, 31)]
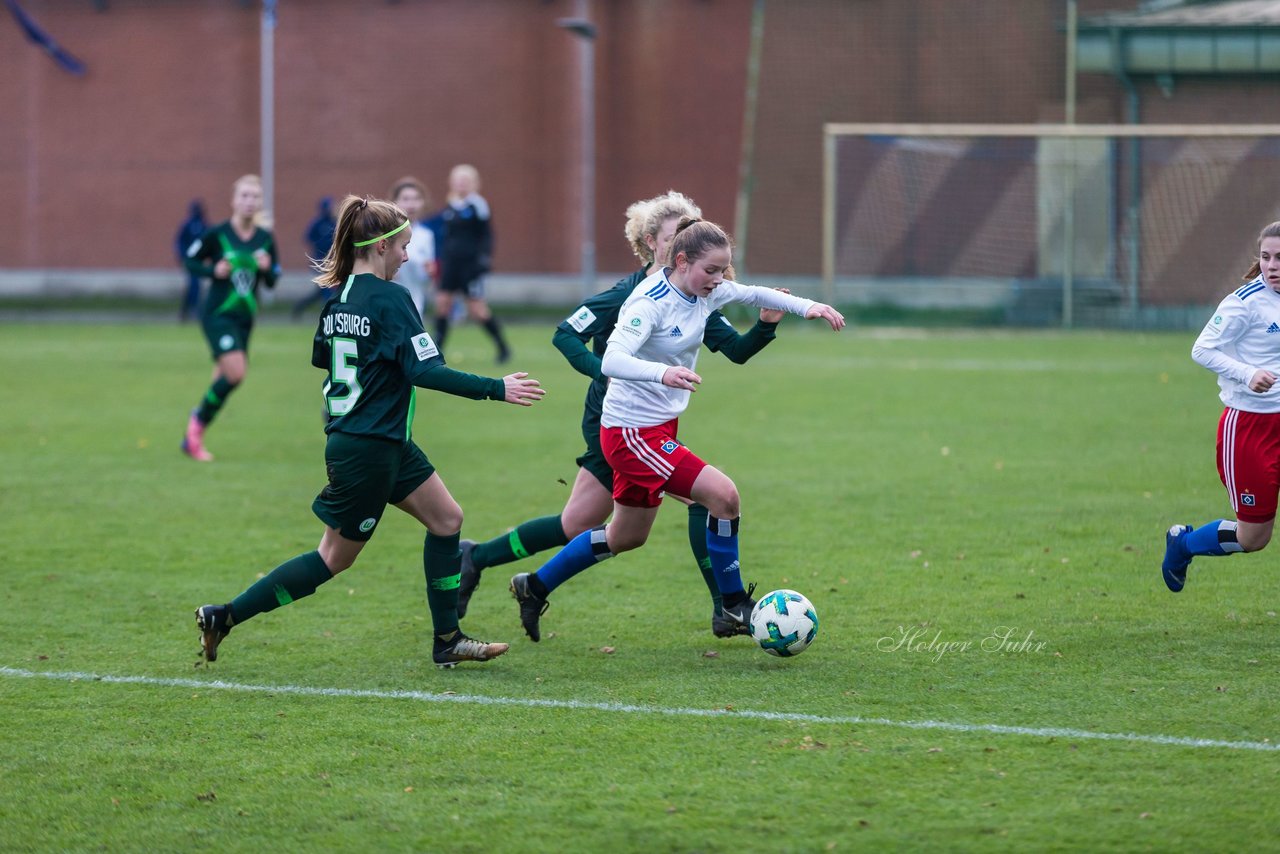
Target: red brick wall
[(97, 171)]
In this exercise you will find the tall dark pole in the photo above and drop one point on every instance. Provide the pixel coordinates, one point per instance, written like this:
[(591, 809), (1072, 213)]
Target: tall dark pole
[(267, 85), (586, 32)]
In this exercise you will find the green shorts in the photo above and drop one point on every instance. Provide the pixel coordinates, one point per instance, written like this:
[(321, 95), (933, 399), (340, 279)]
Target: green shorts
[(365, 475), (592, 458), (226, 333)]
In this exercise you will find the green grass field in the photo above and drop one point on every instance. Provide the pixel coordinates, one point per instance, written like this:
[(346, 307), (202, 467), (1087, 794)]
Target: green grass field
[(945, 488)]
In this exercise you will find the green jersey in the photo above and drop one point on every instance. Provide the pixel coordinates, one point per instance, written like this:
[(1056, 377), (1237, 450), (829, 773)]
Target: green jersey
[(593, 322), (371, 342), (237, 294)]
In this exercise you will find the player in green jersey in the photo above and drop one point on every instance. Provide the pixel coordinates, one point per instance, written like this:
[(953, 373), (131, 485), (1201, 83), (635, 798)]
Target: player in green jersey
[(371, 343), (239, 256), (650, 226)]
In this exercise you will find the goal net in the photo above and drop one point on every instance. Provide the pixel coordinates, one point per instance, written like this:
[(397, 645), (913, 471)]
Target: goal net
[(1081, 224)]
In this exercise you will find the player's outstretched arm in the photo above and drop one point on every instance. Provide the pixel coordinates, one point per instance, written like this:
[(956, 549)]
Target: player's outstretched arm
[(522, 389), (827, 313)]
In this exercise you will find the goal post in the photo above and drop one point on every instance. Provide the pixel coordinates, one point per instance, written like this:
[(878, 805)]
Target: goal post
[(1059, 224)]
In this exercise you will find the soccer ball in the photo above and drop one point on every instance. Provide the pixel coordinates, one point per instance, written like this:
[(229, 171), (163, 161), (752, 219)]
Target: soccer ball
[(784, 623)]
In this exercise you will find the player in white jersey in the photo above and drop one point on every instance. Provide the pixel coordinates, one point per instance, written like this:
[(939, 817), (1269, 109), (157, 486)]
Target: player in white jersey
[(582, 338), (415, 274), (1241, 344), (650, 360)]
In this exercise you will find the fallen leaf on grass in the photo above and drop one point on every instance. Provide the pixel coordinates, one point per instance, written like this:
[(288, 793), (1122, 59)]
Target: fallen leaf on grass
[(608, 650), (711, 653)]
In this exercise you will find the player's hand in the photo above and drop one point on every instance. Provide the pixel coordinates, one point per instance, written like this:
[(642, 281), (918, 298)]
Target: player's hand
[(222, 269), (774, 315), (1262, 381), (522, 389), (263, 258), (678, 376), (827, 313)]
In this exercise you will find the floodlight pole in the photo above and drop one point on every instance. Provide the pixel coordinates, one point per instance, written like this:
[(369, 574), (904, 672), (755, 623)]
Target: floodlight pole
[(1069, 214), (266, 97), (582, 27)]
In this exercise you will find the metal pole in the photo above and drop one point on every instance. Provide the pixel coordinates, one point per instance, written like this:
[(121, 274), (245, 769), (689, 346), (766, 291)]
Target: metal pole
[(1072, 29), (582, 27), (267, 87), (746, 173), (588, 49), (829, 216), (1069, 237), (1069, 215)]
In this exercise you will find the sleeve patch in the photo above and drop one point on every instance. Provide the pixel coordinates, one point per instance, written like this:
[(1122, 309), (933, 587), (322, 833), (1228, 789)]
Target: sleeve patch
[(581, 319), (424, 346), (634, 326)]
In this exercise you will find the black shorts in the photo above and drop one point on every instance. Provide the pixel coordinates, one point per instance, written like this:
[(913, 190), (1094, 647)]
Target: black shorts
[(365, 475), (226, 333), (466, 283), (592, 459)]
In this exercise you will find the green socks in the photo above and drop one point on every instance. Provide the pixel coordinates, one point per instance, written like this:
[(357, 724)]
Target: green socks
[(698, 542), (213, 400), (442, 562), (291, 580), (531, 537)]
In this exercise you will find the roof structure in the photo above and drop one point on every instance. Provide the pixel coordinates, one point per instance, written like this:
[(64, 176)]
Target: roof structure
[(1188, 37), (1226, 13)]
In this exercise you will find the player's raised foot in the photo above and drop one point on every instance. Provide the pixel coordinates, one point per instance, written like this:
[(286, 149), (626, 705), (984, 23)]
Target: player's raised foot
[(462, 648), (214, 623), (193, 441), (737, 615), (468, 578), (727, 627), (1176, 557), (532, 606)]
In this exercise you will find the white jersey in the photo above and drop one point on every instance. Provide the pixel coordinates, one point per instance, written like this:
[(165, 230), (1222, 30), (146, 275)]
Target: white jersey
[(660, 326), (413, 275), (1242, 337)]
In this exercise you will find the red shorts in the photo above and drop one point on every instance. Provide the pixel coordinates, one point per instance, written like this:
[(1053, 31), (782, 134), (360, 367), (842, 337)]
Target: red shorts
[(1249, 462), (648, 461)]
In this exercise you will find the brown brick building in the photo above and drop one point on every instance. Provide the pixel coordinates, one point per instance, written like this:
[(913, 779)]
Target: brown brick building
[(98, 169)]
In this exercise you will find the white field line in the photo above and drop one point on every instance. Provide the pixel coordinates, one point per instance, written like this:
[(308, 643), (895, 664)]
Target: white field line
[(624, 708)]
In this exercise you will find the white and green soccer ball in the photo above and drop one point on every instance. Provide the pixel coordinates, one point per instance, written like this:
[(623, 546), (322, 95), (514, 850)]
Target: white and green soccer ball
[(784, 623)]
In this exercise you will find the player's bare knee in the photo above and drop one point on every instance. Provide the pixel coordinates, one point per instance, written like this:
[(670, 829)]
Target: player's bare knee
[(335, 559), (447, 523), (1252, 540), (624, 542), (574, 525), (727, 505)]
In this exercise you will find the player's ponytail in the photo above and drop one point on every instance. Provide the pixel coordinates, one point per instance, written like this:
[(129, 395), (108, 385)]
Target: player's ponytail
[(1272, 230), (696, 237), (362, 222)]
